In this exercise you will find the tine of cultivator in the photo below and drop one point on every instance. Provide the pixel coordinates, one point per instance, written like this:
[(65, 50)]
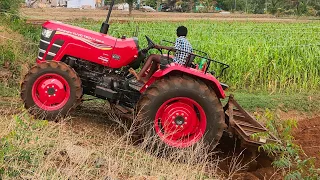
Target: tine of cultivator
[(242, 124)]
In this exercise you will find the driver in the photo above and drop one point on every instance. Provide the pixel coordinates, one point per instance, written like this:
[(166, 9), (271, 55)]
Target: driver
[(180, 57)]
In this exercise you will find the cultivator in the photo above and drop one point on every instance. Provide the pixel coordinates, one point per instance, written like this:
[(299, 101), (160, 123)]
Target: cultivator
[(244, 126)]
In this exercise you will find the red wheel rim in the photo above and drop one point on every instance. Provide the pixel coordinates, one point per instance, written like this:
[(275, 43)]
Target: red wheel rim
[(50, 92), (180, 122)]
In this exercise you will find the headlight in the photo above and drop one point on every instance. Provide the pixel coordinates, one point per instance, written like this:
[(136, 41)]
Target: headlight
[(46, 33)]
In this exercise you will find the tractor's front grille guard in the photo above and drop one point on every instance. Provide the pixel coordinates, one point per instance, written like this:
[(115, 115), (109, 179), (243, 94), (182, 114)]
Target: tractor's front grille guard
[(206, 57)]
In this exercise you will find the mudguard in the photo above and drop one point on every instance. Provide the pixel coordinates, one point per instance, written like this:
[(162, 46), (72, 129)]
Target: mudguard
[(172, 68)]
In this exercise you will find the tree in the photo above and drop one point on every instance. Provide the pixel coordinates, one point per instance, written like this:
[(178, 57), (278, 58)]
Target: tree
[(130, 2), (255, 6), (275, 5), (151, 3)]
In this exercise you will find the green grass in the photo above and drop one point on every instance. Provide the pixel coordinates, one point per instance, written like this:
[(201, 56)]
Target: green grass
[(279, 57), (285, 102)]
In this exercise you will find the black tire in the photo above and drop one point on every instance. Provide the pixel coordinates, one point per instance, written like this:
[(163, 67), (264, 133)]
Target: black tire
[(52, 67), (179, 86)]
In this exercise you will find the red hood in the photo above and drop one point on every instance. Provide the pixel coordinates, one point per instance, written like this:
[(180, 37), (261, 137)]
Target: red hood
[(77, 31)]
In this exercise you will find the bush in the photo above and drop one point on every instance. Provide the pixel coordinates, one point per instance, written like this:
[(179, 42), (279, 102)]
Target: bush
[(312, 11), (11, 6)]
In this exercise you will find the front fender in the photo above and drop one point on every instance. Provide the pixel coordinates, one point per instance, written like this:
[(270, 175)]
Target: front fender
[(208, 78)]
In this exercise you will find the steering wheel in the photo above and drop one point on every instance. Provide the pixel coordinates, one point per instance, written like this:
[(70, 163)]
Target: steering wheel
[(151, 44)]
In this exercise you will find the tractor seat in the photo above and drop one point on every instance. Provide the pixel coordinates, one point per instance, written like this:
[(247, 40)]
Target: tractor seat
[(164, 61), (190, 59)]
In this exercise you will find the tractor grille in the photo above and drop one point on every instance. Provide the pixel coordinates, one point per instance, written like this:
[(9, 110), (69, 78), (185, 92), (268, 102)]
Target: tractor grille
[(44, 44)]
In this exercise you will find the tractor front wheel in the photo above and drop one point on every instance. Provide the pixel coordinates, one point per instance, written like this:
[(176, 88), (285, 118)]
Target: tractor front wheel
[(180, 112), (51, 89)]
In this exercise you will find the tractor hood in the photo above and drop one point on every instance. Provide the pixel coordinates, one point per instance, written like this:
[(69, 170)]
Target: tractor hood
[(87, 44), (77, 31)]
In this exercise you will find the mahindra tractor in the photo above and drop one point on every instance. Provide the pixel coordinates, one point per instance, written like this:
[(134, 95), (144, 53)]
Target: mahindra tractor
[(180, 105)]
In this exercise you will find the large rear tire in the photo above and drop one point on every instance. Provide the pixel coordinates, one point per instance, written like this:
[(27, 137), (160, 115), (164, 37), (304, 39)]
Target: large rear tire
[(50, 90), (178, 112)]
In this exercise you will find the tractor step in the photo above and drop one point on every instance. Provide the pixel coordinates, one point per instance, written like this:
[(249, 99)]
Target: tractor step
[(105, 92), (243, 125)]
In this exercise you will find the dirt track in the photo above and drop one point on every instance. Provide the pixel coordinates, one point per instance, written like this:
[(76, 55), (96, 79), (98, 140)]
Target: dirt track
[(64, 14)]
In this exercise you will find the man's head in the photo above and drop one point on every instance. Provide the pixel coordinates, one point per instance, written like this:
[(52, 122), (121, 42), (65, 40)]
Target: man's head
[(182, 31)]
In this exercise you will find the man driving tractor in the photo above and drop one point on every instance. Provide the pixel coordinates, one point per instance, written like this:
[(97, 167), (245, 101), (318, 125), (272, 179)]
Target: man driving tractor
[(180, 57)]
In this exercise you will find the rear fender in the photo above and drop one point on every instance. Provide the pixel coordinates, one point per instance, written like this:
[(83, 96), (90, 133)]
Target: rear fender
[(173, 68)]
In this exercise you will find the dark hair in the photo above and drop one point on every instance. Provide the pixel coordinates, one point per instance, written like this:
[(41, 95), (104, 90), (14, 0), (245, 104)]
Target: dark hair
[(182, 31)]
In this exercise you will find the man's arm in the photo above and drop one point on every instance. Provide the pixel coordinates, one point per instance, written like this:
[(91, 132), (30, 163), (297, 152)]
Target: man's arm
[(174, 49), (166, 47)]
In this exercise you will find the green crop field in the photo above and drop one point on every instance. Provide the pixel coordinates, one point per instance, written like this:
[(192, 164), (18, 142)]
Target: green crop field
[(274, 57)]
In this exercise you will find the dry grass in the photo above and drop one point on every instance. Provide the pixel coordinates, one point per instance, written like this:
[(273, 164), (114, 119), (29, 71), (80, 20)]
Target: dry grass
[(33, 149), (81, 147)]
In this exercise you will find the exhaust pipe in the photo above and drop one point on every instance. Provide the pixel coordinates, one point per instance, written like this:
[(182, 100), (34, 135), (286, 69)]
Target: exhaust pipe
[(105, 25)]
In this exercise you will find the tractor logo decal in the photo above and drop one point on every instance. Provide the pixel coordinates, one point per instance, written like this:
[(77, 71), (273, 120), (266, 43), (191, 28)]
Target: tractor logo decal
[(116, 56), (89, 42), (104, 59)]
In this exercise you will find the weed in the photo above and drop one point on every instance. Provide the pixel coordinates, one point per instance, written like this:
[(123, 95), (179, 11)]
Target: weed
[(286, 152)]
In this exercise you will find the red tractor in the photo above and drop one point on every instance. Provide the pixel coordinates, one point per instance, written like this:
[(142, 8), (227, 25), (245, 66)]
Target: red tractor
[(179, 104)]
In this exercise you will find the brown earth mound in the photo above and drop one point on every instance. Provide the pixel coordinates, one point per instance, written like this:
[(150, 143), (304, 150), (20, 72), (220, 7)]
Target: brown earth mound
[(307, 135)]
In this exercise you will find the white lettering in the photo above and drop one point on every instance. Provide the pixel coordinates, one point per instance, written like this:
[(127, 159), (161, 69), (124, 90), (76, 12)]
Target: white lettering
[(80, 35)]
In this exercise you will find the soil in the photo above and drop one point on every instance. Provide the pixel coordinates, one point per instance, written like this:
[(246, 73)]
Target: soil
[(307, 136), (65, 14), (261, 168)]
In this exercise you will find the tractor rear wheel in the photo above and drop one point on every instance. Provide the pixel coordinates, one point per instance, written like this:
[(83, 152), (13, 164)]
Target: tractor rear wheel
[(51, 89), (178, 112)]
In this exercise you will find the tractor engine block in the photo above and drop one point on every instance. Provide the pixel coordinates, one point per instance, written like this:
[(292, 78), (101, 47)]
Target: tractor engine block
[(100, 81), (92, 75)]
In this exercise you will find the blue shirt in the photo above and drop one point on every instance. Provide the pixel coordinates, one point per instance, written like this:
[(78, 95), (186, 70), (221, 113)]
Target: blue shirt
[(185, 48)]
